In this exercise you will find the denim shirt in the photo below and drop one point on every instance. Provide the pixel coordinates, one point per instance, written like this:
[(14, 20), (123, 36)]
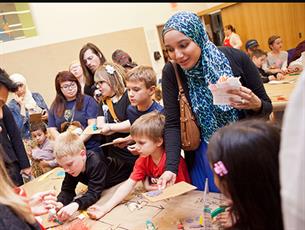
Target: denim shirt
[(23, 122)]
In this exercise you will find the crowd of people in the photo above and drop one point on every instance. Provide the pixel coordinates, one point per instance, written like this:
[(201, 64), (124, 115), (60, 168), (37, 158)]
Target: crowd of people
[(239, 148)]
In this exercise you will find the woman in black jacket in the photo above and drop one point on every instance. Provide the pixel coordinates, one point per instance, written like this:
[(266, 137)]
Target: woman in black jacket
[(199, 63)]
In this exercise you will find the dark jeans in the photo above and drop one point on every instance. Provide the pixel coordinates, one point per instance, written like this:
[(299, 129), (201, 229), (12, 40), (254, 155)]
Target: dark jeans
[(13, 171)]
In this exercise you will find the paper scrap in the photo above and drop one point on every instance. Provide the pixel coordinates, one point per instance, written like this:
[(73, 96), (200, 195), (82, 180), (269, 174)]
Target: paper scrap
[(172, 191), (219, 90)]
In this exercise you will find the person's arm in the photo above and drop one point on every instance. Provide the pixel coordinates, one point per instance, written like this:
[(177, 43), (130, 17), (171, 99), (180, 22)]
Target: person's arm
[(257, 102), (122, 142), (16, 111), (92, 111), (86, 137), (110, 128), (67, 192), (42, 104), (172, 137), (253, 82), (96, 211), (15, 138), (96, 184), (40, 101)]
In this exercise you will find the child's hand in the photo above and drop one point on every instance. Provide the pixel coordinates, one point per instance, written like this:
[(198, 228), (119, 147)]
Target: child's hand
[(280, 76), (120, 143), (106, 130), (66, 212), (225, 219), (96, 212), (133, 149), (271, 78), (148, 186)]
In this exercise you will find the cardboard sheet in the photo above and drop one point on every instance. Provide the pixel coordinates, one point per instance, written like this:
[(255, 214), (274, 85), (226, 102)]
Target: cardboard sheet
[(172, 191)]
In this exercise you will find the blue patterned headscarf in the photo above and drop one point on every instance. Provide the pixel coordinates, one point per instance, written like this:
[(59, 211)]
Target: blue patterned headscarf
[(211, 66)]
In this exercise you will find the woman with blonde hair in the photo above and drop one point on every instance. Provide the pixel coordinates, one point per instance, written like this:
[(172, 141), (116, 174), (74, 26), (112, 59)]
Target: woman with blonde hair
[(17, 212), (113, 121)]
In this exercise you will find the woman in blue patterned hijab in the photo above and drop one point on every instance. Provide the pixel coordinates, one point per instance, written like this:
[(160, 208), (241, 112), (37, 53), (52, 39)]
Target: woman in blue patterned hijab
[(211, 65), (201, 63)]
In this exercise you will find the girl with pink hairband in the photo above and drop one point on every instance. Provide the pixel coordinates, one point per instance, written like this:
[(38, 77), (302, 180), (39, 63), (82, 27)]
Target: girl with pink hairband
[(244, 157)]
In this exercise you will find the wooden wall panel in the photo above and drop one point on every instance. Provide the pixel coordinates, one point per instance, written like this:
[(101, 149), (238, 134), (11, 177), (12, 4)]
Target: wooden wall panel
[(261, 20)]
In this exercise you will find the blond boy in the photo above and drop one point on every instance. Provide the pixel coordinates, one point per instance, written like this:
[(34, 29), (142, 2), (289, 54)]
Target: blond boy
[(147, 132), (83, 166)]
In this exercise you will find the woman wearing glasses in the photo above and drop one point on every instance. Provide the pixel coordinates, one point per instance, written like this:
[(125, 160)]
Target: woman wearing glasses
[(70, 106)]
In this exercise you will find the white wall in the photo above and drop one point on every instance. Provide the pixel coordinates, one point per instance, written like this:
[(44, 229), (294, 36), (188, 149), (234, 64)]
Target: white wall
[(58, 22)]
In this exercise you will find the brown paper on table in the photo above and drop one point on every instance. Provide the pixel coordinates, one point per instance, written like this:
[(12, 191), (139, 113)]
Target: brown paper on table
[(172, 191), (89, 130)]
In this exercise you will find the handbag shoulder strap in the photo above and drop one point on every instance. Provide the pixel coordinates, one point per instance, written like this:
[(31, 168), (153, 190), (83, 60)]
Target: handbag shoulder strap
[(111, 110), (174, 64)]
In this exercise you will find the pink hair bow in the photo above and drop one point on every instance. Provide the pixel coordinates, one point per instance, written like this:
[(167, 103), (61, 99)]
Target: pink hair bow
[(220, 168)]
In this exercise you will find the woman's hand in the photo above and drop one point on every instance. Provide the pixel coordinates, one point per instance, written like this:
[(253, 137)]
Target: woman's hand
[(168, 178), (248, 99), (44, 115), (41, 202)]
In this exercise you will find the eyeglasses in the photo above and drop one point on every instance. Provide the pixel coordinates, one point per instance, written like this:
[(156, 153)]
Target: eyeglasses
[(66, 87)]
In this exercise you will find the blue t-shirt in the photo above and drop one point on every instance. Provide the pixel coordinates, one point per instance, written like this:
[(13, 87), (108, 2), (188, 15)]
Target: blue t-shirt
[(133, 113), (90, 110)]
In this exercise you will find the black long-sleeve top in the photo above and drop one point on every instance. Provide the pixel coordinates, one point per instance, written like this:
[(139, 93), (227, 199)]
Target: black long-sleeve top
[(11, 140), (9, 220), (241, 66), (98, 175)]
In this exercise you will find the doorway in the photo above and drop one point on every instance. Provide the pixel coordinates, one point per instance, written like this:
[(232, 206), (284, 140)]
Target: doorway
[(214, 27)]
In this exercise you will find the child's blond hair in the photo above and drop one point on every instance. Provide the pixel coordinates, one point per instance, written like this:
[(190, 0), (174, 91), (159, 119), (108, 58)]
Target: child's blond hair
[(150, 125), (68, 144), (142, 73), (115, 79)]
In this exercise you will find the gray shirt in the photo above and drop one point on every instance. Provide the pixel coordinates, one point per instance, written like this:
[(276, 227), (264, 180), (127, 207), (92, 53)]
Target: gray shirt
[(276, 61)]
